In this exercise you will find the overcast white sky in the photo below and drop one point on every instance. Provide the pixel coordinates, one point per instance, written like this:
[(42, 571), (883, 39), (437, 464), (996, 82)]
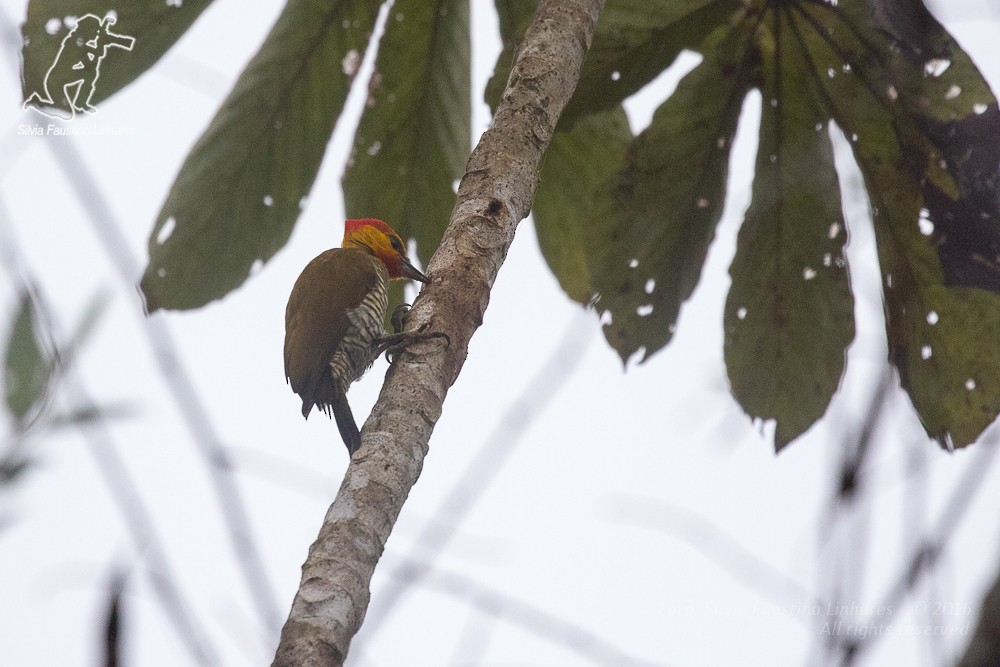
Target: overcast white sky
[(620, 517)]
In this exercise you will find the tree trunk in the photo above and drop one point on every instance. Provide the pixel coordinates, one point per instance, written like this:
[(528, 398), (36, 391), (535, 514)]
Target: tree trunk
[(495, 194)]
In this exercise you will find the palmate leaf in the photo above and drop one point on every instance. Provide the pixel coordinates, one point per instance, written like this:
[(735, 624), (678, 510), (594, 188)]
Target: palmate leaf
[(789, 317), (935, 216), (155, 27), (925, 131), (414, 136), (241, 188), (635, 41), (669, 197)]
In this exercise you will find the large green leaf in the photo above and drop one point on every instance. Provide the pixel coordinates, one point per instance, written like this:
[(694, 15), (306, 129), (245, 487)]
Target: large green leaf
[(789, 317), (669, 199), (925, 130), (576, 176), (414, 136), (635, 41), (154, 27), (579, 167), (242, 187), (27, 368), (932, 213)]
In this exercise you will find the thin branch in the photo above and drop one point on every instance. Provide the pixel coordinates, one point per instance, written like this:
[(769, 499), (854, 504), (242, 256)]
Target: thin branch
[(847, 566), (479, 628), (739, 562), (119, 483), (983, 649), (179, 383), (929, 551), (564, 634), (495, 194), (473, 482), (858, 448), (140, 527)]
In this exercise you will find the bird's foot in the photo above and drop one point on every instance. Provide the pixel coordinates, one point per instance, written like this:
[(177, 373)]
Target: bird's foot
[(398, 313), (393, 343)]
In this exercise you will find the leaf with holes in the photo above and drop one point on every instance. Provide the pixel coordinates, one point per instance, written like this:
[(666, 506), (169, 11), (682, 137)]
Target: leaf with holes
[(59, 65), (668, 200), (635, 41), (414, 137), (789, 316), (925, 130), (574, 185), (243, 185), (923, 125)]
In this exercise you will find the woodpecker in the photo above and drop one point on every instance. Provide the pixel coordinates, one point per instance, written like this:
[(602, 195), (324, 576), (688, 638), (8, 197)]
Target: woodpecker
[(334, 327)]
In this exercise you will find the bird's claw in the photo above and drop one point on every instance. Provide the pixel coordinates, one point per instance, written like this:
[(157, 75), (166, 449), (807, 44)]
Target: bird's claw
[(436, 334), (401, 340), (398, 313)]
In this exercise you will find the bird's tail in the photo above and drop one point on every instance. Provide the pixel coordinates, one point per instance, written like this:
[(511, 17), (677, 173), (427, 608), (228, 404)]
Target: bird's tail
[(345, 422)]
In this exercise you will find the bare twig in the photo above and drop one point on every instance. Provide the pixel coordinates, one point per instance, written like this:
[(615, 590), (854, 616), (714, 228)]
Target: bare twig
[(929, 550), (140, 527), (485, 466), (495, 194), (552, 628), (718, 545), (983, 649), (845, 568), (179, 383), (119, 483)]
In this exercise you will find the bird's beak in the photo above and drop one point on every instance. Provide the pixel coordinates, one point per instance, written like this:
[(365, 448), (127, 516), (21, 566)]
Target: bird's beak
[(411, 272)]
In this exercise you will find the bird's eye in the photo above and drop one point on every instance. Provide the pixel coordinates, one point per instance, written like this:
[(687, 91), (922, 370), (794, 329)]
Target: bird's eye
[(397, 245)]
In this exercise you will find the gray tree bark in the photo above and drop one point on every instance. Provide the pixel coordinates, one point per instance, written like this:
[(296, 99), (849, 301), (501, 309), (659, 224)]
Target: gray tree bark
[(495, 194)]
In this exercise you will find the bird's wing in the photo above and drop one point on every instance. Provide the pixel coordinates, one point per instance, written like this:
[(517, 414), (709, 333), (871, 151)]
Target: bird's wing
[(316, 316)]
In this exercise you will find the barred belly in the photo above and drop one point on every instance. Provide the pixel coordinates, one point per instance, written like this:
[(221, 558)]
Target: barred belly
[(359, 346)]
